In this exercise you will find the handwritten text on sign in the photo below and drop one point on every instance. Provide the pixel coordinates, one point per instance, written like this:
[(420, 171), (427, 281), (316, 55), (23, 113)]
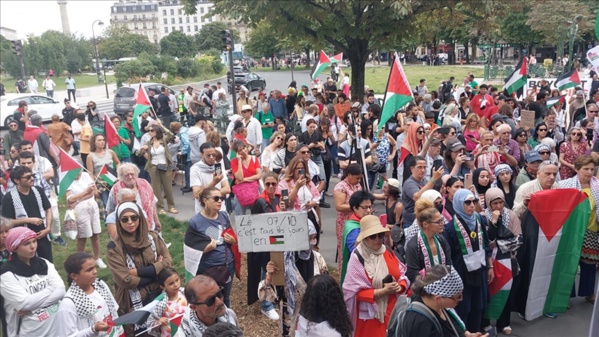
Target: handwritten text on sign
[(273, 232)]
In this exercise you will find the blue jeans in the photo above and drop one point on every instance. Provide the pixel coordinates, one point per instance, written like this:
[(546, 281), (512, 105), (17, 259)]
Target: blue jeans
[(187, 174), (335, 153), (266, 305), (50, 93), (240, 210)]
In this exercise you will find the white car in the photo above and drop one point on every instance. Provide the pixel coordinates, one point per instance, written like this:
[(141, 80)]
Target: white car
[(44, 105)]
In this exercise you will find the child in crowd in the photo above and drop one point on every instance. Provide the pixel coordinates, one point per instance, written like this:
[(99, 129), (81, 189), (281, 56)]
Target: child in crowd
[(172, 306), (5, 225), (88, 307)]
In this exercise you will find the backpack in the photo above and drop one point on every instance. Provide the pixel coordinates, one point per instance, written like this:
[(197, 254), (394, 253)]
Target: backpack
[(396, 327)]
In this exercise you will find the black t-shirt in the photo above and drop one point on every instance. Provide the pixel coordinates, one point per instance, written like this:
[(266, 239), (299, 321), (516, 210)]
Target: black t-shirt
[(538, 109), (68, 115), (416, 324), (31, 207), (163, 101), (316, 137), (596, 146), (332, 88)]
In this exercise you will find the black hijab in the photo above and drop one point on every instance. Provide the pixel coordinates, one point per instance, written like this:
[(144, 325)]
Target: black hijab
[(36, 266)]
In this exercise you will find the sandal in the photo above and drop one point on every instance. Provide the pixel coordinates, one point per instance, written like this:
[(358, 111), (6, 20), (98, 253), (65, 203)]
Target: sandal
[(507, 330), (163, 212), (590, 299), (173, 210)]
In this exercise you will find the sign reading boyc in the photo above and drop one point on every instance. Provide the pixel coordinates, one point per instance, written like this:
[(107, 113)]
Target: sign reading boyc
[(272, 232)]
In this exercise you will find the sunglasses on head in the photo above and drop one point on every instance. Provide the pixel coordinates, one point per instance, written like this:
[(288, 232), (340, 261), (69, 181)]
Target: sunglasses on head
[(469, 202), (126, 219), (216, 198), (378, 235), (210, 301)]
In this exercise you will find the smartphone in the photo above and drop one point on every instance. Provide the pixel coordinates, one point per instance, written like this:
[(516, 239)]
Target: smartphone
[(467, 180), (469, 156), (493, 148), (301, 172), (388, 279), (285, 197), (437, 163), (218, 169), (471, 136), (590, 134)]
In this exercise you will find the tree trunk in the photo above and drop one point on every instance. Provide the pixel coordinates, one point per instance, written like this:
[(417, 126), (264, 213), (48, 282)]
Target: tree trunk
[(307, 58), (466, 52), (358, 60)]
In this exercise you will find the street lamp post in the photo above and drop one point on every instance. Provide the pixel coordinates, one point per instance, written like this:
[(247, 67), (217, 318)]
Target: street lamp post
[(100, 23)]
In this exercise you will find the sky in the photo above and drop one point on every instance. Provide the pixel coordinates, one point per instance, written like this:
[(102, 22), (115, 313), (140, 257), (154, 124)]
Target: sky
[(36, 17)]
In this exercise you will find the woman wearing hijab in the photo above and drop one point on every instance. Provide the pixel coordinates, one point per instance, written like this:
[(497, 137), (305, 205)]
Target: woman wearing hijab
[(14, 135), (504, 231), (481, 180), (134, 258), (471, 256), (374, 279), (411, 146), (30, 286), (428, 247), (503, 181)]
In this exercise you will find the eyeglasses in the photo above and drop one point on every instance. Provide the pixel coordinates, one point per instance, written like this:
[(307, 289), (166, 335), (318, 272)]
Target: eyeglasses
[(304, 152), (126, 219), (438, 222), (456, 298), (542, 130), (366, 207), (576, 134), (13, 125), (210, 301), (27, 177), (522, 135), (217, 198), (420, 132), (270, 184), (470, 202), (544, 153), (378, 235), (593, 111)]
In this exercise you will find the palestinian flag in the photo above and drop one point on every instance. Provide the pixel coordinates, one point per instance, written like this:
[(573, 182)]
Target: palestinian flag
[(175, 323), (140, 316), (108, 174), (276, 239), (553, 231), (337, 58), (568, 80), (398, 92), (499, 289), (67, 172), (112, 135), (319, 66), (517, 79), (550, 102), (142, 103), (193, 249)]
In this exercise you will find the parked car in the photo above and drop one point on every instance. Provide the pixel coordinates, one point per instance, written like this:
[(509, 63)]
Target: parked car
[(124, 98), (44, 105), (250, 80)]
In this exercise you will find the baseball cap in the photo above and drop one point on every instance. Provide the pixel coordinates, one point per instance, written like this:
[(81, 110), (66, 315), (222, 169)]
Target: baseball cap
[(246, 107), (393, 182), (532, 156), (455, 145)]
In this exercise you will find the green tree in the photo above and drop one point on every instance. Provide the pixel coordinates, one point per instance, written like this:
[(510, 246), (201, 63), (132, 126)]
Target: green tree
[(163, 63), (555, 16), (354, 27), (118, 42), (262, 41), (187, 68), (210, 37), (134, 71), (177, 44)]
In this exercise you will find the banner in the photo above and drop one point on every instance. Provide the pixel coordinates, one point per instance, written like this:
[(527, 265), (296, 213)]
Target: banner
[(272, 232), (593, 57)]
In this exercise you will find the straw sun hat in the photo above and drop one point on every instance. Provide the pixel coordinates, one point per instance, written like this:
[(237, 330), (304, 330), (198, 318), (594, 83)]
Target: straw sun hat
[(370, 225)]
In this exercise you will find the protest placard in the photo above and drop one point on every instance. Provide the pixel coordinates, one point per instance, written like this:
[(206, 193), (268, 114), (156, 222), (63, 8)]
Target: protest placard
[(272, 232), (527, 119)]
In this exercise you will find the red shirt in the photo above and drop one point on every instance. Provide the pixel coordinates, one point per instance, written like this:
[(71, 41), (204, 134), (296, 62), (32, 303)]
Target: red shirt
[(248, 171), (476, 108)]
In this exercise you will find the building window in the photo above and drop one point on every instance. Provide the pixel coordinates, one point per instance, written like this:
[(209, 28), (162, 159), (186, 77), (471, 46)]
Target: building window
[(116, 18), (165, 21), (125, 17), (145, 26), (180, 11), (210, 19), (153, 24), (196, 28), (166, 29), (135, 26), (181, 28), (143, 16), (187, 19), (180, 20), (189, 28), (201, 10), (203, 19), (172, 12), (134, 17), (173, 21), (114, 9), (143, 7), (164, 12), (195, 19), (173, 29)]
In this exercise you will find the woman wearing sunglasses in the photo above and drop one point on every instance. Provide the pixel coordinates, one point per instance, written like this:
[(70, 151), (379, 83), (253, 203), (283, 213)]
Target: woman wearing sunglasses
[(431, 313), (541, 131), (276, 143), (521, 138), (211, 243), (135, 258), (574, 146), (374, 276), (471, 256), (412, 146)]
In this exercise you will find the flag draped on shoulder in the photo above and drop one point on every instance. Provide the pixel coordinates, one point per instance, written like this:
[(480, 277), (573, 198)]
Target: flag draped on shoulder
[(398, 92), (142, 103), (320, 65), (551, 102), (139, 316), (517, 79), (108, 174), (112, 135), (68, 171), (193, 249), (568, 80), (553, 230)]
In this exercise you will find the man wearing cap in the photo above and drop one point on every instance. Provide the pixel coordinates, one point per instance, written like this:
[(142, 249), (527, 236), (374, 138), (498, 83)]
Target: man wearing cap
[(311, 96), (197, 136), (467, 93), (253, 127), (545, 180), (532, 160)]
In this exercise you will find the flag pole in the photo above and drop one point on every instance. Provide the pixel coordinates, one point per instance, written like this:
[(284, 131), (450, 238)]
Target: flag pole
[(157, 325), (387, 86)]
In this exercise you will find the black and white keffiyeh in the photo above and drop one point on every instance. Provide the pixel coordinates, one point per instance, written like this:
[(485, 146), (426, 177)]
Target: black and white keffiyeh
[(84, 305), (447, 286)]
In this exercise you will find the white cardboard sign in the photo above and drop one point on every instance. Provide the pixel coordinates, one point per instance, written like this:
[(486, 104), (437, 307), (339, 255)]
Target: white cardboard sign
[(272, 232)]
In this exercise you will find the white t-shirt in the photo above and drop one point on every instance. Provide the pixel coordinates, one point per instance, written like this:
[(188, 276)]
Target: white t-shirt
[(48, 84), (79, 185), (198, 178), (158, 155), (76, 129), (254, 129)]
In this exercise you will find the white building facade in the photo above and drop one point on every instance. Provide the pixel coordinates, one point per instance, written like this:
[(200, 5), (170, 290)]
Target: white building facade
[(172, 17), (141, 17)]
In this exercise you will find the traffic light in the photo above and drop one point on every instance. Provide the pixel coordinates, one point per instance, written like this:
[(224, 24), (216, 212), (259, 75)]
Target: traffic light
[(17, 47), (227, 39)]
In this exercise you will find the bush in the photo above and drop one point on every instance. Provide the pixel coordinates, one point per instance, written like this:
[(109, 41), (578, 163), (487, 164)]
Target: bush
[(136, 68), (187, 68)]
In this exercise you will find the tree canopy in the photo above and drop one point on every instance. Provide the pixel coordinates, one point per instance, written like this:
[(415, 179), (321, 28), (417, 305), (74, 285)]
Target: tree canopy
[(178, 44), (118, 42), (209, 37)]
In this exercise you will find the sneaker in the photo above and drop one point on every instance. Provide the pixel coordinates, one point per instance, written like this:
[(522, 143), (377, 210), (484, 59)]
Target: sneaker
[(271, 314), (324, 205), (59, 241), (550, 315), (186, 189), (100, 264)]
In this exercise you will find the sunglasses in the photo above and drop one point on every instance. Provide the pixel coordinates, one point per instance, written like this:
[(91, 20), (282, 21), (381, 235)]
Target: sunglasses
[(544, 153), (522, 135), (576, 134), (379, 235), (541, 130), (279, 138), (217, 198), (126, 219), (210, 301), (304, 152), (470, 202), (13, 125), (29, 176), (420, 132), (270, 184)]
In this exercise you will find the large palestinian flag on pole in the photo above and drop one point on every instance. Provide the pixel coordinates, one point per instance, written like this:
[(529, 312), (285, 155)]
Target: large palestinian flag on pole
[(337, 58), (551, 102), (142, 103), (568, 80), (517, 79), (553, 229), (398, 92), (67, 172), (320, 65)]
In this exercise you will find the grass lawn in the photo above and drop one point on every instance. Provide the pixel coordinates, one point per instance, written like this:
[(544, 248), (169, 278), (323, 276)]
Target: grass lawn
[(376, 78)]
